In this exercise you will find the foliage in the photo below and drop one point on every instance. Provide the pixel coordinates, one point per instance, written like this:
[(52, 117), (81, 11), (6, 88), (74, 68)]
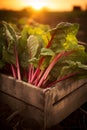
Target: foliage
[(42, 55)]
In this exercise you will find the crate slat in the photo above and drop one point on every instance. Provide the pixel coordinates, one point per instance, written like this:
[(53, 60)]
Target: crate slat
[(66, 87), (23, 91), (28, 112), (64, 107), (47, 106)]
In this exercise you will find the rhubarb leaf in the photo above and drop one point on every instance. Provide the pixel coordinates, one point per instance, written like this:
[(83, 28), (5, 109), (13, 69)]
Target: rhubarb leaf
[(8, 46), (65, 37), (41, 32)]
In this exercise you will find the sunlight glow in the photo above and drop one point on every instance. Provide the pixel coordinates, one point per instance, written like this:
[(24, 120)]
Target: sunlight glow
[(35, 4), (53, 5)]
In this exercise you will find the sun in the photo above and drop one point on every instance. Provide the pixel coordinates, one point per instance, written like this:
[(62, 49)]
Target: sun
[(35, 4)]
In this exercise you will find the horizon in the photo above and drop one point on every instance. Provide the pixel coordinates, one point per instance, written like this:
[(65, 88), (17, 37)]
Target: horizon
[(51, 5)]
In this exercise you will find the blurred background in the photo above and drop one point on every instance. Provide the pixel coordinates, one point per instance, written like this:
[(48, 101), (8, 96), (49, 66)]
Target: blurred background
[(49, 12)]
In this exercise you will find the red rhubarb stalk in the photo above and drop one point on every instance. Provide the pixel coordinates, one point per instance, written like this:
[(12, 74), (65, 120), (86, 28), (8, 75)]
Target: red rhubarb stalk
[(37, 72), (51, 65), (17, 64), (60, 79), (13, 71)]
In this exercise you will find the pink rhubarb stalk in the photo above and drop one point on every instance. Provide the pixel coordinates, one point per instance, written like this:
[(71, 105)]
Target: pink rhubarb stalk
[(60, 79), (37, 72), (17, 63), (51, 65), (13, 71)]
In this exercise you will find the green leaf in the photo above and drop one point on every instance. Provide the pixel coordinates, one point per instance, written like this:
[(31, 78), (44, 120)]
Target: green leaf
[(2, 64), (7, 42), (65, 37), (33, 46), (41, 32), (24, 35), (9, 31), (82, 66), (47, 52)]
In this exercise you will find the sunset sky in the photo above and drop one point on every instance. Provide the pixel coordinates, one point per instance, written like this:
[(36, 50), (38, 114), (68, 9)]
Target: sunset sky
[(59, 5)]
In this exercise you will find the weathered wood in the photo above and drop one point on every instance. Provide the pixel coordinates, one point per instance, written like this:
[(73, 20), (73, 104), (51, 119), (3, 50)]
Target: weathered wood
[(66, 87), (64, 107), (22, 90), (47, 106), (27, 111)]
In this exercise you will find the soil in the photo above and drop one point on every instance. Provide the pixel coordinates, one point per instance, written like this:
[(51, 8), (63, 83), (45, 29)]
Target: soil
[(10, 120)]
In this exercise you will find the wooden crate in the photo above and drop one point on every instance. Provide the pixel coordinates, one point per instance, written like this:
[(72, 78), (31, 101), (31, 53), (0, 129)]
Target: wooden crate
[(45, 106)]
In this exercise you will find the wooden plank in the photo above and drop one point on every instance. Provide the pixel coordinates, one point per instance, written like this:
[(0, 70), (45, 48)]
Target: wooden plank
[(22, 90), (52, 102), (26, 111), (65, 106), (66, 87), (47, 106)]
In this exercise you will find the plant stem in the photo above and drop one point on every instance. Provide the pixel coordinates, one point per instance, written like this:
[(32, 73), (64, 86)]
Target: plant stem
[(51, 65), (17, 63), (37, 72), (60, 79), (49, 68), (13, 71)]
